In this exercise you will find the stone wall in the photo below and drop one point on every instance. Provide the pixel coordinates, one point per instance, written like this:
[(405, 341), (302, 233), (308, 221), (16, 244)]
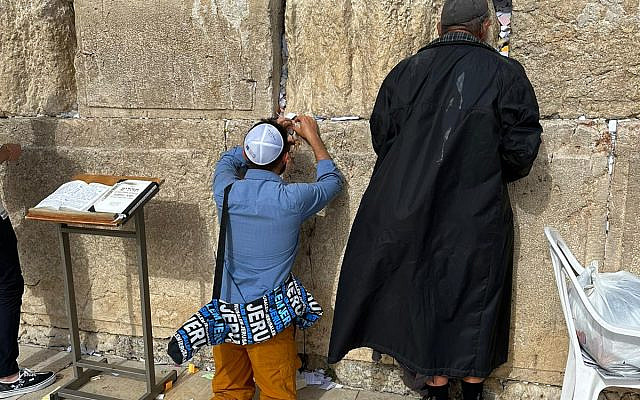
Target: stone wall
[(37, 44), (162, 88)]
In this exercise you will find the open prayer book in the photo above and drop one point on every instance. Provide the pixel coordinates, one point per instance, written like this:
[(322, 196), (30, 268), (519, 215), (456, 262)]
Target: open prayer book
[(81, 196)]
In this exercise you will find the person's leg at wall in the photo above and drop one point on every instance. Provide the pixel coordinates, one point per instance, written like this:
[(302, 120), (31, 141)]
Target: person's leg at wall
[(275, 363), (438, 388), (233, 379), (472, 388), (13, 380), (11, 289)]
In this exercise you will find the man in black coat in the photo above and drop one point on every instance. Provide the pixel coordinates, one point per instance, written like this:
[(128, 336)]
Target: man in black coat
[(426, 276)]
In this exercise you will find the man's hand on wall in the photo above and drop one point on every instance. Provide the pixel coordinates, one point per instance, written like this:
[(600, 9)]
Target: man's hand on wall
[(10, 152), (307, 128)]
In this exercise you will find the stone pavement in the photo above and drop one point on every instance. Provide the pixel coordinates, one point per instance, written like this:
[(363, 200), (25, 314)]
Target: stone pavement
[(188, 386)]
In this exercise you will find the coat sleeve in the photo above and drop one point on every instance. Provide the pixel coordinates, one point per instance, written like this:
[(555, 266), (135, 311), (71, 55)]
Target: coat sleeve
[(521, 130), (382, 125)]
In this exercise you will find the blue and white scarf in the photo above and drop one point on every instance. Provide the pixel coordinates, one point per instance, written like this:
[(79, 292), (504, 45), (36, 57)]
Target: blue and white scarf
[(260, 320)]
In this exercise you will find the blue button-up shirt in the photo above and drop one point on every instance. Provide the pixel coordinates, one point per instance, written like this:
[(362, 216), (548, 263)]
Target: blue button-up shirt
[(265, 215)]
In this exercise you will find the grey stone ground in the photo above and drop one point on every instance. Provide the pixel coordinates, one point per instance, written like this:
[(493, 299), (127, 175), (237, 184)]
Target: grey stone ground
[(188, 386)]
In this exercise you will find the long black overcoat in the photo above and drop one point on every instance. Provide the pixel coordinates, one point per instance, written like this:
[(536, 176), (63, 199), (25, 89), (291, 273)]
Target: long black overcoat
[(426, 276)]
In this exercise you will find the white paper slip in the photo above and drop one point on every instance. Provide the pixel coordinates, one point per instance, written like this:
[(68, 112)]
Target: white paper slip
[(349, 118)]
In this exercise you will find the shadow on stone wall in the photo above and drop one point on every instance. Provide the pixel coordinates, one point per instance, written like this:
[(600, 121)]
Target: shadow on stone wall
[(323, 238), (40, 170), (105, 270), (179, 249)]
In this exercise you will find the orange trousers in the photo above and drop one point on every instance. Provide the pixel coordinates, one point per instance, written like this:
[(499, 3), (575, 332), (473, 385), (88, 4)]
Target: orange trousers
[(271, 365)]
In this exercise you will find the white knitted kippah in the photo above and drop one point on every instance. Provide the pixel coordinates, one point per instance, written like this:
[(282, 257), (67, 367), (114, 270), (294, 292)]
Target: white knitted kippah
[(263, 144)]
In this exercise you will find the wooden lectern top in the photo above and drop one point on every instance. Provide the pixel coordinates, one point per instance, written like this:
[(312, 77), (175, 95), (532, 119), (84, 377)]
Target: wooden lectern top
[(88, 217)]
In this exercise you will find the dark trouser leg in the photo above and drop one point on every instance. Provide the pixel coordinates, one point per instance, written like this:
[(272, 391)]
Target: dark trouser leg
[(438, 392), (11, 289), (472, 391)]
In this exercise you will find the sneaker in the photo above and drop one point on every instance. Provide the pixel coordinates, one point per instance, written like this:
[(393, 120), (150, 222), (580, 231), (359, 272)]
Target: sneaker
[(27, 382)]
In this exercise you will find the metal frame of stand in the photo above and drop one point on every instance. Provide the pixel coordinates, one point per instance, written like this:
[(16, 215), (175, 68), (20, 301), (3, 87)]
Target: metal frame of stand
[(84, 370)]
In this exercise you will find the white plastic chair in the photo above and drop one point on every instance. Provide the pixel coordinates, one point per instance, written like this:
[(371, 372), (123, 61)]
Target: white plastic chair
[(581, 381)]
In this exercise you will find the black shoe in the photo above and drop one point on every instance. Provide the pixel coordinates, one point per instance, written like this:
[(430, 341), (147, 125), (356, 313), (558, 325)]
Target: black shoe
[(472, 391), (27, 382), (437, 393)]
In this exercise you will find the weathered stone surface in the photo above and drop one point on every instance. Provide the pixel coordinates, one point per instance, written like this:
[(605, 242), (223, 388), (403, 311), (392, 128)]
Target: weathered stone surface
[(619, 394), (387, 378), (194, 58), (379, 396), (339, 55), (324, 239), (312, 393), (510, 390), (567, 190), (370, 376), (37, 46), (579, 55), (180, 220), (623, 244), (339, 52)]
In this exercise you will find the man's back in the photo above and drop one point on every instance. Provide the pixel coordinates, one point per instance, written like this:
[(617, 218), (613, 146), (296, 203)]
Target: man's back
[(453, 91), (442, 128), (265, 215), (431, 245)]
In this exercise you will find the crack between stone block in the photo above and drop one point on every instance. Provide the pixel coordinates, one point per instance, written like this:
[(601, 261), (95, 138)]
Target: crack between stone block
[(31, 285), (284, 51), (613, 132), (226, 135), (309, 252), (556, 117)]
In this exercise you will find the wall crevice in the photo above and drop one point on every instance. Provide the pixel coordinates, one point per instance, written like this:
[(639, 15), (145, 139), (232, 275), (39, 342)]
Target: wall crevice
[(611, 164)]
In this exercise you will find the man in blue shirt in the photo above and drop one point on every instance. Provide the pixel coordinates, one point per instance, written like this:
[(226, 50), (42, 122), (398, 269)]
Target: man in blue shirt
[(265, 215)]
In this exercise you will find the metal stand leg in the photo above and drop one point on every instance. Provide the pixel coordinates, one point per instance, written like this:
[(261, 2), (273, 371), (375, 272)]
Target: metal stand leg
[(83, 370), (153, 389), (70, 300), (145, 302)]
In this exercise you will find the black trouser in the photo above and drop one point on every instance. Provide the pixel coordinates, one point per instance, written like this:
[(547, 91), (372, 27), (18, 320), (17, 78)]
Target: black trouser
[(11, 289)]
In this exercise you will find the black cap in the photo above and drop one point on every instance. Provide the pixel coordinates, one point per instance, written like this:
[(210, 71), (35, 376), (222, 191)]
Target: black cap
[(456, 12)]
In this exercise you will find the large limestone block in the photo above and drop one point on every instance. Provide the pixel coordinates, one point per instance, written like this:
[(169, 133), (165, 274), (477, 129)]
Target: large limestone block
[(580, 55), (340, 51), (37, 46), (185, 58), (567, 189), (181, 222), (623, 242), (514, 390)]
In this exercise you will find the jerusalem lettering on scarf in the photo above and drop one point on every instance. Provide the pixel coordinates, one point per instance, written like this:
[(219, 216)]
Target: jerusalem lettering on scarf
[(243, 324)]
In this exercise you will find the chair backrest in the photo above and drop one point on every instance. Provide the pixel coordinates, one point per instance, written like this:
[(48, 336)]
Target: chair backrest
[(561, 262), (566, 268)]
